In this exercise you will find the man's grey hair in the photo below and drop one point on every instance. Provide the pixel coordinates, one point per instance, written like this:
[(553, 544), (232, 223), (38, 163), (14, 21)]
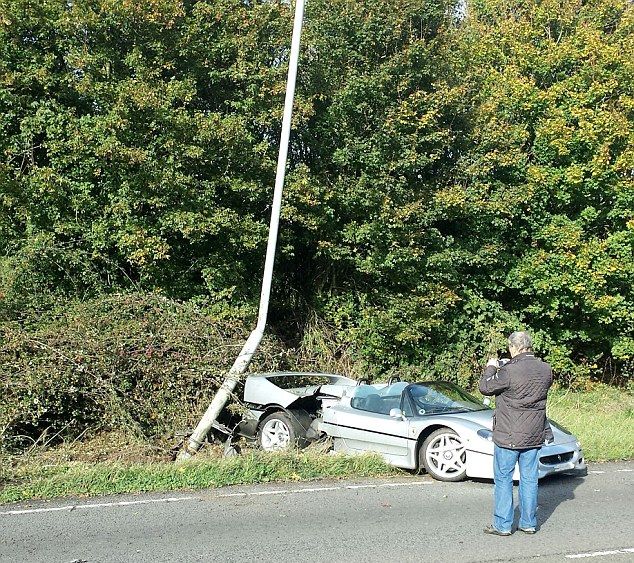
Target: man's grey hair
[(521, 341)]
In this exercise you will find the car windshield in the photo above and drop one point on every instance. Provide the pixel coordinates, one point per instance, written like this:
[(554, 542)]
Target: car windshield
[(439, 397)]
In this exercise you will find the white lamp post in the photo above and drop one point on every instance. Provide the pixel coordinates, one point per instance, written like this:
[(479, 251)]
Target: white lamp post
[(251, 345)]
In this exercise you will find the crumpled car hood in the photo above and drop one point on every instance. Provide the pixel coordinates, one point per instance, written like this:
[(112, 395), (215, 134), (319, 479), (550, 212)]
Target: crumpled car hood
[(261, 389)]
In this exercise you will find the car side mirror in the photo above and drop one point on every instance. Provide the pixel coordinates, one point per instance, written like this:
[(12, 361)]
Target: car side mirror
[(397, 414), (486, 401)]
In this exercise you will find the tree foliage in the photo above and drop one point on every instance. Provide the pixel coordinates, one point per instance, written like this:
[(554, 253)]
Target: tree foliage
[(454, 175), (553, 139)]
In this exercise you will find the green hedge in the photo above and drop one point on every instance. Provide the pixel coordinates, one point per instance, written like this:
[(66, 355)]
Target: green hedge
[(141, 363)]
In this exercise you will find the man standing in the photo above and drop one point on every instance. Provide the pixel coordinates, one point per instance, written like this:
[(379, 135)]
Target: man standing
[(520, 427)]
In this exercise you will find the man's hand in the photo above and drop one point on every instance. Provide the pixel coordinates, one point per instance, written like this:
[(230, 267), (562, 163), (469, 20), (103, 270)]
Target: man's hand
[(493, 362), (549, 438)]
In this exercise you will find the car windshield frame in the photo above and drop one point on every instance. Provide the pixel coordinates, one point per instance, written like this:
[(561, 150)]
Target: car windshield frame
[(437, 399)]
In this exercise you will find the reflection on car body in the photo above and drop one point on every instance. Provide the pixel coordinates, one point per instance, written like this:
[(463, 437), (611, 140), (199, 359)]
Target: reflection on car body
[(435, 425)]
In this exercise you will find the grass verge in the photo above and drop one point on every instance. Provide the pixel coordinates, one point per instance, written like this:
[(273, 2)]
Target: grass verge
[(88, 479), (602, 419)]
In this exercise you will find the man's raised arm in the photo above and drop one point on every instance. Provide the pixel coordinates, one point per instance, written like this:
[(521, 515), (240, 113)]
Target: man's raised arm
[(495, 379)]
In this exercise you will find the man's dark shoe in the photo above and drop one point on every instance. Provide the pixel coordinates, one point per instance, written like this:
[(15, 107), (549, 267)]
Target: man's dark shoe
[(494, 531), (527, 530)]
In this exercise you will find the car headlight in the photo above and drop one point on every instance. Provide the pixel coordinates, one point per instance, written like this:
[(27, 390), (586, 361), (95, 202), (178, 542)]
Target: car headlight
[(485, 434)]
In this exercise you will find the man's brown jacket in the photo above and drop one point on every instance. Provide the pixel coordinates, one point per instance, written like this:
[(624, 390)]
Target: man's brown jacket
[(520, 387)]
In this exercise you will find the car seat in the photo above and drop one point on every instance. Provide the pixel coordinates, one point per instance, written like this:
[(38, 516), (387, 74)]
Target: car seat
[(373, 403)]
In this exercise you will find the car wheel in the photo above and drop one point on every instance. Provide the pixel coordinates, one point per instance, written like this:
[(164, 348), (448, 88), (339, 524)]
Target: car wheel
[(444, 455), (278, 431)]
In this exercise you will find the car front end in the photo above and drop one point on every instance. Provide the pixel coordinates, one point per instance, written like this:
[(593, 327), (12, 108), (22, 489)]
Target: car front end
[(563, 455)]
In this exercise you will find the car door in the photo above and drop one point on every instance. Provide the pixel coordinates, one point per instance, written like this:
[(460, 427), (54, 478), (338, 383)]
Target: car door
[(365, 425)]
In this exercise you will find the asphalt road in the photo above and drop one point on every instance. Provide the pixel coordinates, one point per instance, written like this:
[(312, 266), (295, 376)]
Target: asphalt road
[(402, 519)]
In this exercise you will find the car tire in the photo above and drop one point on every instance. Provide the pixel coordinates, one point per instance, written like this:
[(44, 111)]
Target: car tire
[(444, 456), (279, 431)]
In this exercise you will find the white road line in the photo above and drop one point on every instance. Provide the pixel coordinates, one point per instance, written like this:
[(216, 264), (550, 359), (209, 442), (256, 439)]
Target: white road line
[(36, 510), (354, 487), (267, 493), (403, 484), (597, 472), (95, 505), (316, 490), (321, 489), (388, 485), (625, 470), (601, 553), (225, 495)]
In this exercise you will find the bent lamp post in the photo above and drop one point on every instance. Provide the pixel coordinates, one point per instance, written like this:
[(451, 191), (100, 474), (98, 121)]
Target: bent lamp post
[(251, 345)]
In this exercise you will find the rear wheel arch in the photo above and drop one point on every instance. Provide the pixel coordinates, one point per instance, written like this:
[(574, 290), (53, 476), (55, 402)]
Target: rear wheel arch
[(288, 424), (300, 415), (268, 410)]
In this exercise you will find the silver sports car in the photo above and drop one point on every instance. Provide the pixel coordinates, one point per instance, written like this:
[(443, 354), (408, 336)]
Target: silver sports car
[(434, 425)]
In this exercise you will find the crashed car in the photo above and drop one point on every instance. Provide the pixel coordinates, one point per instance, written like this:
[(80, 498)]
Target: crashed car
[(434, 426)]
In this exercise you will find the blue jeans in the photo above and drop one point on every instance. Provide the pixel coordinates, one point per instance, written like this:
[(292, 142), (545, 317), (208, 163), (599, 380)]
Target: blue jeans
[(504, 461)]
